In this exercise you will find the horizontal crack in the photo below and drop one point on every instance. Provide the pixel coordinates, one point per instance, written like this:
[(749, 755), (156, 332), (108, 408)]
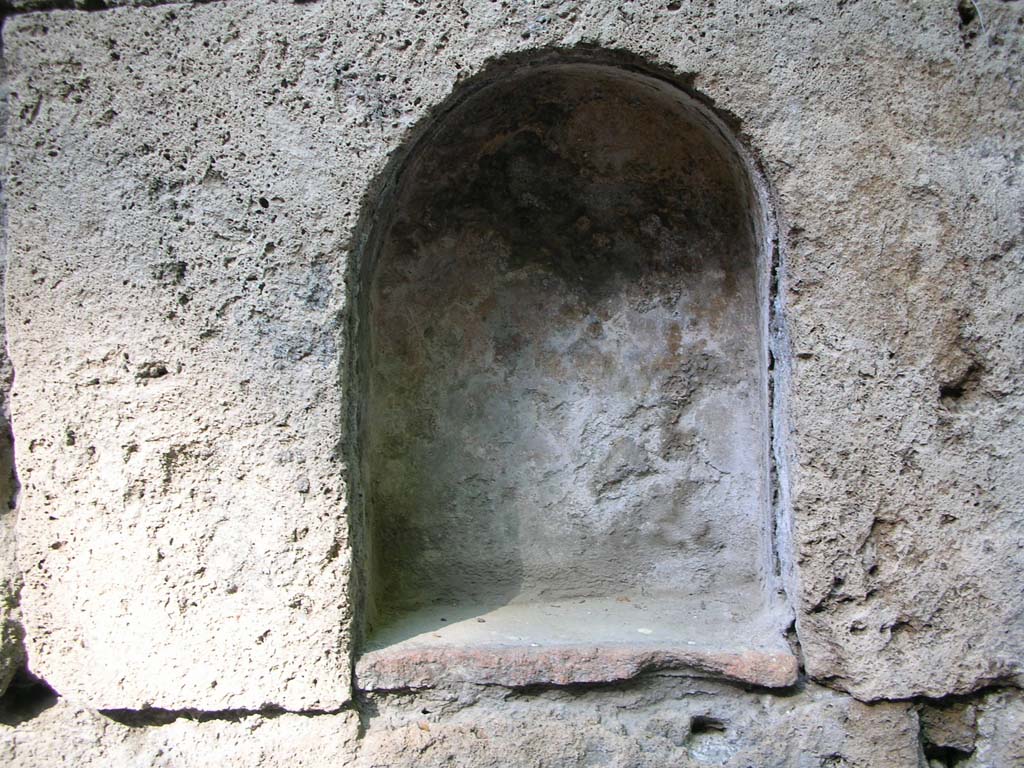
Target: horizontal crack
[(997, 685), (985, 687), (155, 716)]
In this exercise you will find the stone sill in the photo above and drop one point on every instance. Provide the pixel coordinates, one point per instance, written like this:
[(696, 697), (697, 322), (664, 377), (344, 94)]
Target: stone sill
[(595, 641)]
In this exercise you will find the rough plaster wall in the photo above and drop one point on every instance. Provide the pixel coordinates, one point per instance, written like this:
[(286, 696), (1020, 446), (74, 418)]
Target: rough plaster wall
[(11, 635), (65, 735), (183, 509), (904, 291), (889, 131), (649, 723), (656, 722), (12, 651)]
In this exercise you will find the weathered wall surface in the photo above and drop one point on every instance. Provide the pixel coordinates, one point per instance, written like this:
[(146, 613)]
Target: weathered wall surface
[(650, 724), (12, 649), (183, 510), (183, 187)]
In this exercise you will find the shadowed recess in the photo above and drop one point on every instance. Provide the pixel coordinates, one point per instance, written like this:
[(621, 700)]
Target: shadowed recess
[(563, 436), (26, 697)]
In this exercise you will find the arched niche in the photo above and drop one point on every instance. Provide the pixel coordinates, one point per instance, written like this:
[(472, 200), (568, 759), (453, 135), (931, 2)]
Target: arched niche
[(563, 435)]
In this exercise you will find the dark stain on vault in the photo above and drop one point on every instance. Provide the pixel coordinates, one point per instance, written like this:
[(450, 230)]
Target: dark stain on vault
[(558, 190)]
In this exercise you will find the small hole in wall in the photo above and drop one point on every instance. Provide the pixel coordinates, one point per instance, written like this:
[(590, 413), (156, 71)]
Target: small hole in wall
[(970, 22), (951, 390), (956, 388), (703, 724), (967, 12), (264, 203), (708, 740)]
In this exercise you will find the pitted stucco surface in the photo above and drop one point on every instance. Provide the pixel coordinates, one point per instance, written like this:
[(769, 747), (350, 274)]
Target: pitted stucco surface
[(12, 651), (650, 724), (196, 553), (66, 735), (183, 185)]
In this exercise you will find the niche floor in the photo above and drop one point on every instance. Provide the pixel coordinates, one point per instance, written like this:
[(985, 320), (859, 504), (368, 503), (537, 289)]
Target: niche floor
[(586, 640)]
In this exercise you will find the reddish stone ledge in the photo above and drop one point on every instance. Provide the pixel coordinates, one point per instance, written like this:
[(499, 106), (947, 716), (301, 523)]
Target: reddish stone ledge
[(516, 666)]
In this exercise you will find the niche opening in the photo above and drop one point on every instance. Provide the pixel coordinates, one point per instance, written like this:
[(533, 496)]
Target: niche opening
[(563, 424)]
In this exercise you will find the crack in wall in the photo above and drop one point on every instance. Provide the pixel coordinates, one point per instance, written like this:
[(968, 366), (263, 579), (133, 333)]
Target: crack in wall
[(155, 716)]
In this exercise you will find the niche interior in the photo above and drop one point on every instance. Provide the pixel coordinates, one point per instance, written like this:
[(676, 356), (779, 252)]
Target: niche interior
[(563, 421)]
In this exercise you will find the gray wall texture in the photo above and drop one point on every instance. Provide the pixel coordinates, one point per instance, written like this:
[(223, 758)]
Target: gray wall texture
[(190, 192)]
